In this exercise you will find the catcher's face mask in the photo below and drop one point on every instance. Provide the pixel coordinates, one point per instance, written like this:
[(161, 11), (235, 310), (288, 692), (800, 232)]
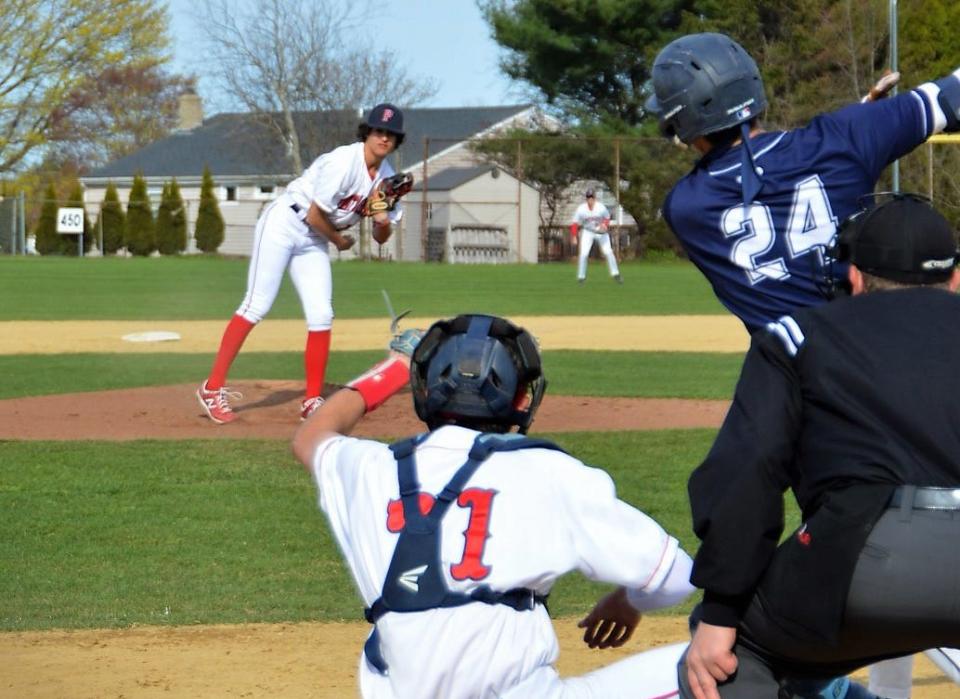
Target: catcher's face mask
[(477, 369)]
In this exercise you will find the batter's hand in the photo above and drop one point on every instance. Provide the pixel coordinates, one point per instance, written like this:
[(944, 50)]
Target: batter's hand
[(611, 622), (710, 659), (345, 242), (882, 87)]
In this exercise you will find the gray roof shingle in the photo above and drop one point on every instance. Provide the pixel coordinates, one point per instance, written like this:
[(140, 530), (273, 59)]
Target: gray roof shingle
[(240, 145), (453, 177)]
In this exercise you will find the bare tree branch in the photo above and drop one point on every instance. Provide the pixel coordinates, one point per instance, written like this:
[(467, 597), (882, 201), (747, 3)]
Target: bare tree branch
[(288, 57)]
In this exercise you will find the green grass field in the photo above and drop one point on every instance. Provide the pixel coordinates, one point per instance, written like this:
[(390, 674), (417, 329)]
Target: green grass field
[(100, 534), (204, 288)]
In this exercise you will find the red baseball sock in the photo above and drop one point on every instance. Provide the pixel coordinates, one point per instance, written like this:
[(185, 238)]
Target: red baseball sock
[(233, 337), (315, 360)]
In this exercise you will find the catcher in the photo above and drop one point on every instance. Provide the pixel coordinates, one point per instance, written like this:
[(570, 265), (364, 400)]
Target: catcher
[(296, 230)]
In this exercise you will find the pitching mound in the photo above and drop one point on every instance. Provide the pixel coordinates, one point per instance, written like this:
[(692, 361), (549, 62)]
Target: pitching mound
[(270, 410)]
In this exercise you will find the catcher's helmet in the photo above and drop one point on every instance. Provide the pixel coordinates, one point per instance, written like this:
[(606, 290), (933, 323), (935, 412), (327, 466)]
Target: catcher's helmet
[(704, 83), (478, 371)]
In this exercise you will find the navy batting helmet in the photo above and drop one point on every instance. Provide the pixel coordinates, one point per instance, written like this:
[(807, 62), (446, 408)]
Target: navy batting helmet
[(479, 371), (704, 83)]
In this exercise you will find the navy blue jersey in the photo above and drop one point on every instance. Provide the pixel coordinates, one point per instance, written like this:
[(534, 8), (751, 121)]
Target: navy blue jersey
[(766, 260)]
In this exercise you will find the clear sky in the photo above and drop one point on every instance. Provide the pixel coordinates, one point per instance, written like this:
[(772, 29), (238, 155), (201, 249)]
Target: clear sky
[(447, 40)]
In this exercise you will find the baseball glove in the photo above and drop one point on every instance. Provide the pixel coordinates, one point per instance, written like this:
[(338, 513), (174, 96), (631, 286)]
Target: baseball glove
[(407, 341), (387, 193)]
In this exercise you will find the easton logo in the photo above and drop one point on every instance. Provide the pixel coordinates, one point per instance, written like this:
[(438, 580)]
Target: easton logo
[(410, 579)]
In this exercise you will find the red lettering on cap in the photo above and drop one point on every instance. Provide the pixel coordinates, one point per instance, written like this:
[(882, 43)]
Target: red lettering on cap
[(387, 114)]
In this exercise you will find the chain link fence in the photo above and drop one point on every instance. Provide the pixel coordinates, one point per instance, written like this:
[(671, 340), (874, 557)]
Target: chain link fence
[(526, 190), (13, 239)]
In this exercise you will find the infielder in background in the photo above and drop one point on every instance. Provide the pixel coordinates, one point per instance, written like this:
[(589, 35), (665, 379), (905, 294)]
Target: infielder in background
[(591, 223), (296, 231), (852, 406), (456, 536), (758, 209)]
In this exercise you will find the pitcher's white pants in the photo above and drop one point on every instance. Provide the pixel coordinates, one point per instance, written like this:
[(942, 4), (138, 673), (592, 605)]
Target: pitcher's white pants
[(282, 240), (586, 242)]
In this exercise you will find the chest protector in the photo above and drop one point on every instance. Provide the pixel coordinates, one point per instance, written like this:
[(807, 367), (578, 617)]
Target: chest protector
[(414, 581)]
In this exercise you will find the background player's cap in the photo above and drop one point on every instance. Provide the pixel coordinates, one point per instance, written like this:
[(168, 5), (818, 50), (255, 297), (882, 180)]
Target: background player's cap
[(387, 117), (904, 239), (589, 193)]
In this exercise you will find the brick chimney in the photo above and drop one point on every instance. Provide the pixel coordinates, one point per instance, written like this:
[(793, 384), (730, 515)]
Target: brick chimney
[(190, 112)]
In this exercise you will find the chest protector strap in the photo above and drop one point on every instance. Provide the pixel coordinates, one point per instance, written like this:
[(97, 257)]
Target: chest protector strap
[(414, 581)]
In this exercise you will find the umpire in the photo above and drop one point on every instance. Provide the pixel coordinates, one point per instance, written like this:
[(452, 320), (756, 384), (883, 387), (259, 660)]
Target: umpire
[(854, 407)]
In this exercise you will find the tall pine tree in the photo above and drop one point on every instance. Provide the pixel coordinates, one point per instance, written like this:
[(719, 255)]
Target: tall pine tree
[(47, 239), (178, 215), (164, 227), (139, 234), (210, 226), (111, 222)]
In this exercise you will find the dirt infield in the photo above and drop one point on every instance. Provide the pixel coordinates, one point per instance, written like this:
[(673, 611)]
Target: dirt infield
[(270, 410), (299, 660), (294, 661)]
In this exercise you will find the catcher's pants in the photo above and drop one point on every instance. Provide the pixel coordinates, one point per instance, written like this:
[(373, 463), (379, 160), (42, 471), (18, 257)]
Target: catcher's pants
[(282, 240), (902, 600), (648, 675), (587, 238)]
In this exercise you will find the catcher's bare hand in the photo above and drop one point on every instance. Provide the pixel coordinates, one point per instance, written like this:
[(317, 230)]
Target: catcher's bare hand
[(883, 87), (345, 242), (611, 622)]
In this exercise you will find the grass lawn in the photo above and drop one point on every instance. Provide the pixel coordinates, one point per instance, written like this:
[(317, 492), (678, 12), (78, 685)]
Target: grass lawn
[(583, 373), (203, 288), (108, 534), (104, 534)]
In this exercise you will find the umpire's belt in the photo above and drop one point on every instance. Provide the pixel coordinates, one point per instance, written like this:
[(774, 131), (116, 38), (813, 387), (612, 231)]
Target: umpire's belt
[(926, 498)]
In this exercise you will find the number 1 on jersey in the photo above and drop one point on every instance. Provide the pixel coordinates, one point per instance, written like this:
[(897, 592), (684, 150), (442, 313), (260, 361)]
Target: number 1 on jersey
[(479, 501)]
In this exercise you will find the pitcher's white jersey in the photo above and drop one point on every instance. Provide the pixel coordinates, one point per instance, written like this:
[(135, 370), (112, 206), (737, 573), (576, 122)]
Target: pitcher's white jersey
[(523, 519), (591, 219), (339, 183)]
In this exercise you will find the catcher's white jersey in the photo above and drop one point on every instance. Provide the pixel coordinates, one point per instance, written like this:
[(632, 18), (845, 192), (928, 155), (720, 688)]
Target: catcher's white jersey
[(523, 519), (340, 183), (591, 219)]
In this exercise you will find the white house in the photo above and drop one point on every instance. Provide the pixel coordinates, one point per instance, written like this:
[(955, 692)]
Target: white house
[(250, 166)]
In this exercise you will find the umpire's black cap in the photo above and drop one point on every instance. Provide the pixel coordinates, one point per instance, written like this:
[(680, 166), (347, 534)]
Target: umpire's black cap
[(904, 239), (387, 117)]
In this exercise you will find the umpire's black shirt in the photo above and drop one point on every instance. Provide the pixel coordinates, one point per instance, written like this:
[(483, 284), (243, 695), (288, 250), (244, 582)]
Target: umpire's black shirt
[(862, 390)]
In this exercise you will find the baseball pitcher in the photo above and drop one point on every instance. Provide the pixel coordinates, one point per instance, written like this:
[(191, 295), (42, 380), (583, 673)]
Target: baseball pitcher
[(296, 231)]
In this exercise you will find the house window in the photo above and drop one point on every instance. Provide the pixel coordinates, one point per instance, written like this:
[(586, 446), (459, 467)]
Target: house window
[(265, 192), (230, 194)]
